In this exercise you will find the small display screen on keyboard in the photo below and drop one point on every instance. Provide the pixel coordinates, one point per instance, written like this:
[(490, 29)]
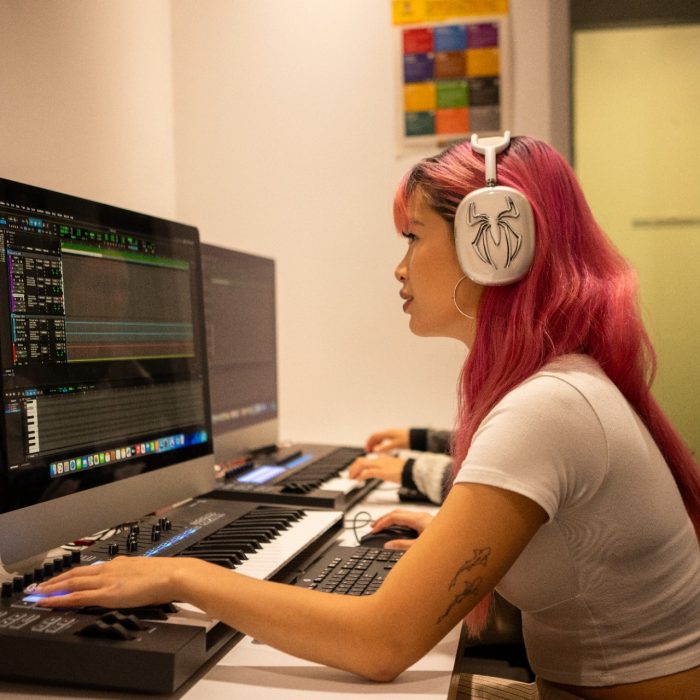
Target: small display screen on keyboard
[(350, 570)]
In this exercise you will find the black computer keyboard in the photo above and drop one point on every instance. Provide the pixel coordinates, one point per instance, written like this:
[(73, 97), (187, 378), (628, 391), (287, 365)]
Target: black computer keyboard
[(350, 570)]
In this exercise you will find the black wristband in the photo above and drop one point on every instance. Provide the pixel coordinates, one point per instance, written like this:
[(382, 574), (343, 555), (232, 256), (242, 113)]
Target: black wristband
[(407, 475), (418, 439)]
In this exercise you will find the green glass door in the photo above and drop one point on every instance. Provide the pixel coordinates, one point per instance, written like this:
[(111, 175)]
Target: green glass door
[(636, 136)]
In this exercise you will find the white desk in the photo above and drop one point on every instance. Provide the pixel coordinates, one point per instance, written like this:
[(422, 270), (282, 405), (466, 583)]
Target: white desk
[(254, 672)]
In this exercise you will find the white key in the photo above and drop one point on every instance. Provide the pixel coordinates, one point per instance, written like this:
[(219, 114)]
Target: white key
[(265, 562)]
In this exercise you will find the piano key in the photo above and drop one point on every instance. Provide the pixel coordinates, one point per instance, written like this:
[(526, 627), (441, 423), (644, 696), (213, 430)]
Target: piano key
[(275, 554)]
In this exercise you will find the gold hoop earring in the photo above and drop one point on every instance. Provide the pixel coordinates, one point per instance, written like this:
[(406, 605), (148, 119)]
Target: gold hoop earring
[(454, 298)]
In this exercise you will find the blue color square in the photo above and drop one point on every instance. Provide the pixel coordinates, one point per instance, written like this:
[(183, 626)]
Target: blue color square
[(451, 38)]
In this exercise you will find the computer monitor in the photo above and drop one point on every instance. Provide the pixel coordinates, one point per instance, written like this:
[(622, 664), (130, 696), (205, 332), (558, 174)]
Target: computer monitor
[(239, 305), (103, 368)]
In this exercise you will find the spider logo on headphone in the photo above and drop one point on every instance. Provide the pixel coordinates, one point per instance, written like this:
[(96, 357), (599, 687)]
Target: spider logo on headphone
[(493, 230), (495, 235)]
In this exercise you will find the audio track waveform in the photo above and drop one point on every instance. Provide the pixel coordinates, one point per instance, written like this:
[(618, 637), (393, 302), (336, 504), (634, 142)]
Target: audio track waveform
[(109, 340)]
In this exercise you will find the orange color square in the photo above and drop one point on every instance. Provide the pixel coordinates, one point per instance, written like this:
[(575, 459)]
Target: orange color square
[(452, 121)]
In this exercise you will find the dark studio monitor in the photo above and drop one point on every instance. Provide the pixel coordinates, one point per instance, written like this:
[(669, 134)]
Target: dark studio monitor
[(239, 303)]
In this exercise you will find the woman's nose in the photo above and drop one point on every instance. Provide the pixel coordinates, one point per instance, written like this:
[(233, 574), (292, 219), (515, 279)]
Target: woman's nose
[(400, 271)]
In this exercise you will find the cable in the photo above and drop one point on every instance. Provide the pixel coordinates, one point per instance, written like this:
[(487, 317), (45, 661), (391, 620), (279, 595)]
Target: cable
[(355, 524)]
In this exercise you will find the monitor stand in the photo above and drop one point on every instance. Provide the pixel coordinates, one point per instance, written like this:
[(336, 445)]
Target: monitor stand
[(8, 571)]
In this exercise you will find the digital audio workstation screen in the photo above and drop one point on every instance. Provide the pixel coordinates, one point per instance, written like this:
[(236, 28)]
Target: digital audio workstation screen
[(101, 344)]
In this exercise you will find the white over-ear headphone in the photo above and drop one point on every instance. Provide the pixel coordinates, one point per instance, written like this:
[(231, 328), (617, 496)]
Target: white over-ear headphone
[(494, 225)]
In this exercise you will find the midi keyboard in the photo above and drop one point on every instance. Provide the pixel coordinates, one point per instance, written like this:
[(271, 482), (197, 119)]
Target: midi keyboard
[(154, 649), (309, 476)]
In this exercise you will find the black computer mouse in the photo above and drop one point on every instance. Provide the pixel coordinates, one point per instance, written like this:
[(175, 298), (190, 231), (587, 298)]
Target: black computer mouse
[(393, 532)]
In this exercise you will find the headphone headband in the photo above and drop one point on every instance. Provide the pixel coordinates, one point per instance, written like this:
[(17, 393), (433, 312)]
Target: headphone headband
[(489, 147), (494, 225)]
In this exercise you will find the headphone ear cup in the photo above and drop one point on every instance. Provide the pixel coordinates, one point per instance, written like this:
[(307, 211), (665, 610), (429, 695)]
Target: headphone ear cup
[(495, 235)]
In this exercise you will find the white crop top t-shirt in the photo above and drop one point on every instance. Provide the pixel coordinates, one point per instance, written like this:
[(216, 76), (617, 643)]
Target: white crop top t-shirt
[(609, 587)]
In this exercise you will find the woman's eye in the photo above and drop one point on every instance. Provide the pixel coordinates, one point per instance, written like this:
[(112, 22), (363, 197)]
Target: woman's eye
[(410, 237)]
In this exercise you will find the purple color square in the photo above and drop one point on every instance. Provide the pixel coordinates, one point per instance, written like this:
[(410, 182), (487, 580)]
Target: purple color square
[(418, 68), (482, 35)]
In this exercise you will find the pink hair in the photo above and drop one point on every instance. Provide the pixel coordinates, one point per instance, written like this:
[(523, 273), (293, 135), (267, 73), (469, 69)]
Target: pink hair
[(580, 296)]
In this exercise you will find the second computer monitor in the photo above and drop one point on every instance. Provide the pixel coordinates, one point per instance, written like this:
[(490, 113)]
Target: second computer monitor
[(239, 303)]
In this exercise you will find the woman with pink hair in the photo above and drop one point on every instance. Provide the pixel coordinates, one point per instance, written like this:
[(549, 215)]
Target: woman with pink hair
[(572, 494)]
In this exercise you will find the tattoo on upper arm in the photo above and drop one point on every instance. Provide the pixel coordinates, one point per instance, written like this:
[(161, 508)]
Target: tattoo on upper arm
[(469, 588)]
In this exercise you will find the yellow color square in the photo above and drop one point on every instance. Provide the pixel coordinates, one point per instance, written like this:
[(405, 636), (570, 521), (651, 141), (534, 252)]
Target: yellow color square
[(408, 11), (437, 10), (483, 62), (479, 7), (419, 97)]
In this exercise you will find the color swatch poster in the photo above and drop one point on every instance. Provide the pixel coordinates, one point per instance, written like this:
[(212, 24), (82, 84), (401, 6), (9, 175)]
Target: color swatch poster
[(453, 81)]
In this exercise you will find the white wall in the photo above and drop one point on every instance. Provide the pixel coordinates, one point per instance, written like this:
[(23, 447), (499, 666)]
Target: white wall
[(269, 124), (285, 147), (86, 99)]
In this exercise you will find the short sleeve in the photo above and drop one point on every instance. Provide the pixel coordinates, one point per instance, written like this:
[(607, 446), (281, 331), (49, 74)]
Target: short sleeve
[(544, 441)]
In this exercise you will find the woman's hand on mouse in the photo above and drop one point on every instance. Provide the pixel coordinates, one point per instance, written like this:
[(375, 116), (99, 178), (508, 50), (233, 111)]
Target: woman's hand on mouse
[(408, 518), (377, 466)]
